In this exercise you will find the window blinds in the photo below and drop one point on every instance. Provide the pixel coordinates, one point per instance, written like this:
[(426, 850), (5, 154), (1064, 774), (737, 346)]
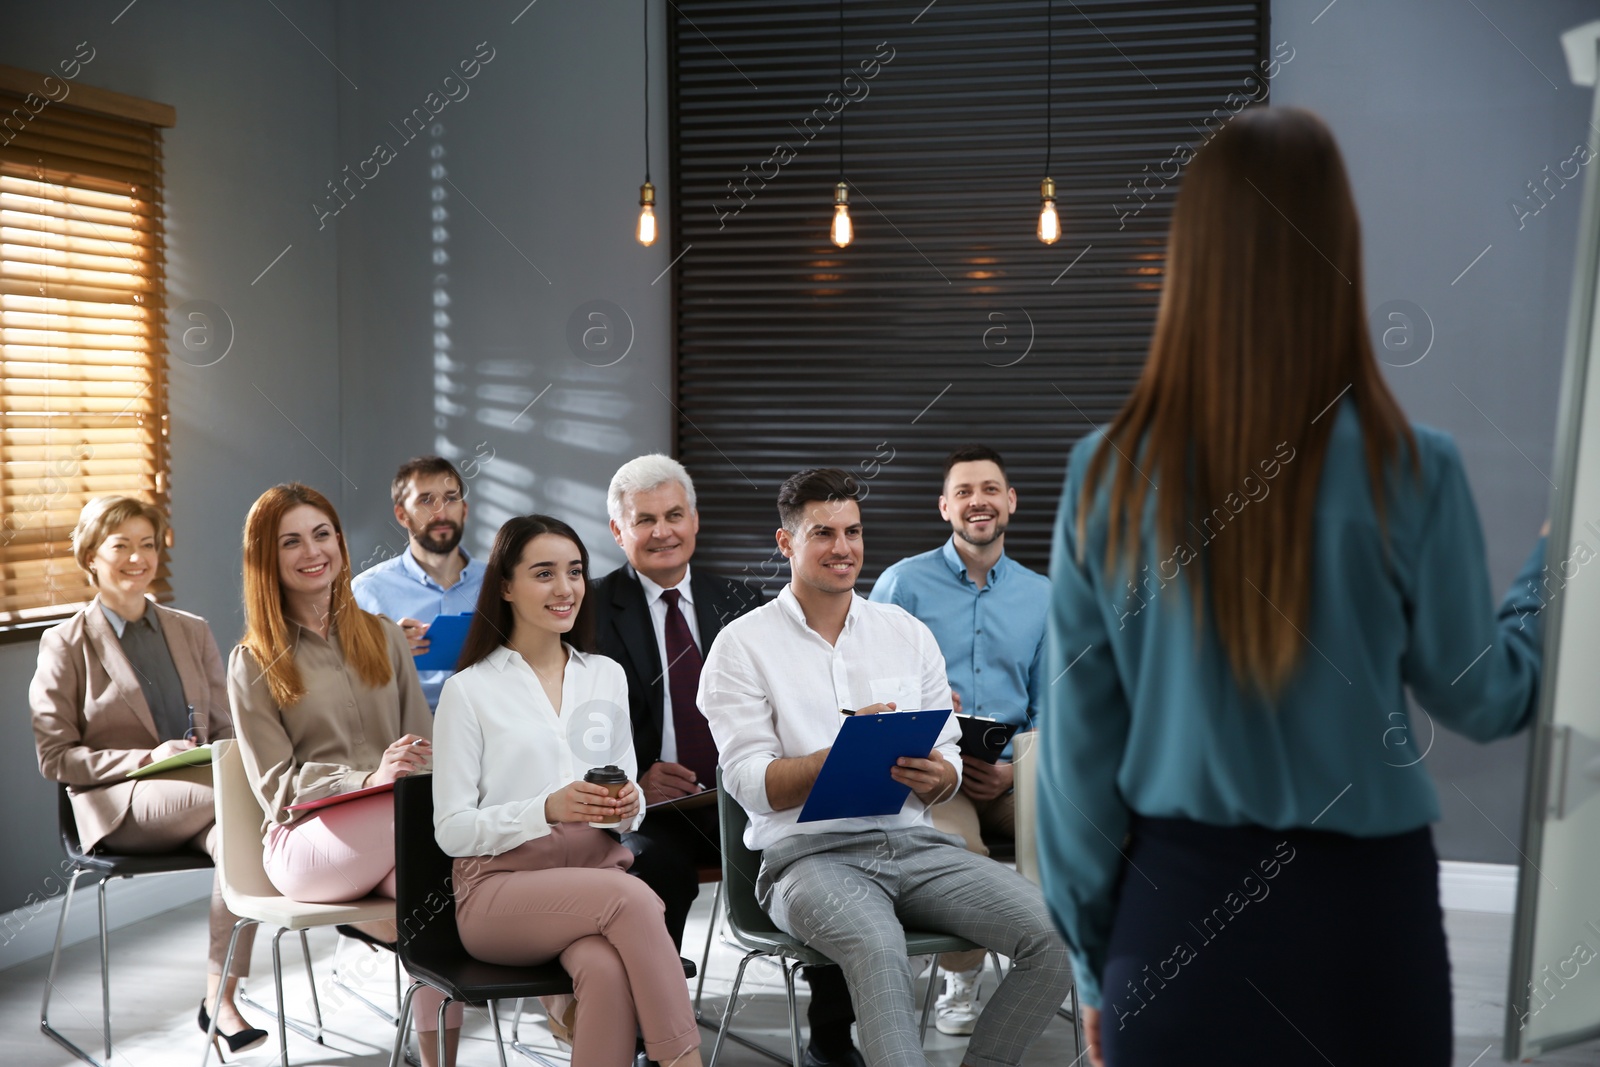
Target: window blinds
[(82, 370)]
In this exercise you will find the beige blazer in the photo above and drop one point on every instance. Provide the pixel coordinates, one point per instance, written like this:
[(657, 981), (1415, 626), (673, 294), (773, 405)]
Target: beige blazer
[(91, 722)]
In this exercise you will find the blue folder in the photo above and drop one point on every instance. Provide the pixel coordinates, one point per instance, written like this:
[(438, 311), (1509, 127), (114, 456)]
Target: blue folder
[(446, 634), (854, 782)]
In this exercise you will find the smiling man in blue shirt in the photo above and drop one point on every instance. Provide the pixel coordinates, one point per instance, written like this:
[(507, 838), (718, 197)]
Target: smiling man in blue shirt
[(434, 576), (988, 613)]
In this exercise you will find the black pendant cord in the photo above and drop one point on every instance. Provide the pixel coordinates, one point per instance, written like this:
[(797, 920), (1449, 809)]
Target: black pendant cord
[(647, 91), (843, 102), (1049, 77)]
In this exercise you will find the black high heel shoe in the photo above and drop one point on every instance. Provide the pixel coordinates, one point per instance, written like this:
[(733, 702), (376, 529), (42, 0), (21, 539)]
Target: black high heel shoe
[(243, 1041)]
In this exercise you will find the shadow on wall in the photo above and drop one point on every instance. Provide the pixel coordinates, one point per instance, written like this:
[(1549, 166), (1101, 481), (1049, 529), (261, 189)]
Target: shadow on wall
[(497, 416)]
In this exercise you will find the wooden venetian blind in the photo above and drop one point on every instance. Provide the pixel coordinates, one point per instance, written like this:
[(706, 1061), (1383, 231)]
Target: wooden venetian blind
[(83, 408)]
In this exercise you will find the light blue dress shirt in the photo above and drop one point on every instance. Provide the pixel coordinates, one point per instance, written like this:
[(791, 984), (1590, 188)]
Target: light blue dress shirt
[(1146, 717), (399, 588), (992, 638)]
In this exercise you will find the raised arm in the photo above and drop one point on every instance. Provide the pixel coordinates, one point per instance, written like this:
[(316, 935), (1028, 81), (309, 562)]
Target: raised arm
[(1475, 669)]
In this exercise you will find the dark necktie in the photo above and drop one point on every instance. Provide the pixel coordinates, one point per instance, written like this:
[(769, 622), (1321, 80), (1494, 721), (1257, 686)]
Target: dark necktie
[(696, 749)]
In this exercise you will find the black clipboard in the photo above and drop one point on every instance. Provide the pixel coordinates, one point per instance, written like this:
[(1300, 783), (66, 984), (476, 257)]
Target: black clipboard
[(984, 738), (854, 782)]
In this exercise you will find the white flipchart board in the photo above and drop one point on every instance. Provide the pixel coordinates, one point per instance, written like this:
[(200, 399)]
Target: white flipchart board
[(1554, 995)]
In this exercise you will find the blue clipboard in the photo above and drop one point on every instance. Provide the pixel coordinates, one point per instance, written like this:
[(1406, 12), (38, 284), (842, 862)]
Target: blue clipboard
[(854, 782), (446, 635)]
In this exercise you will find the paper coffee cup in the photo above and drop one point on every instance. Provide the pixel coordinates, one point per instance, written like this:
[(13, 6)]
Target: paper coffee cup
[(613, 779)]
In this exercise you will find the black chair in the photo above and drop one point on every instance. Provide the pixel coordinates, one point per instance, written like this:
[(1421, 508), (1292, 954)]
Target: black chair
[(430, 946), (755, 932), (101, 867)]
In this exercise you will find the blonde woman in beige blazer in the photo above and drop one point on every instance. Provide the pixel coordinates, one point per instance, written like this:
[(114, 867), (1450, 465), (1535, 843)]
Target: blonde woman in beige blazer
[(126, 682)]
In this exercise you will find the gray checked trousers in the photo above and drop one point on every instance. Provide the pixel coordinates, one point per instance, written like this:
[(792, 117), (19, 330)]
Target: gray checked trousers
[(852, 896)]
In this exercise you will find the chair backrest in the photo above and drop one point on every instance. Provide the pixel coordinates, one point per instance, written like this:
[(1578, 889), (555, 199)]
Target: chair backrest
[(71, 843), (740, 866), (240, 847), (1025, 784), (425, 902)]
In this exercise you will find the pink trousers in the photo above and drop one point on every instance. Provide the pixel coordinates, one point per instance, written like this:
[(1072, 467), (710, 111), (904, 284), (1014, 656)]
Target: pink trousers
[(568, 896), (340, 853)]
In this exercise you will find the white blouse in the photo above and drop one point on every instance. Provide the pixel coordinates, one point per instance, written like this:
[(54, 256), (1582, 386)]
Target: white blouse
[(500, 748)]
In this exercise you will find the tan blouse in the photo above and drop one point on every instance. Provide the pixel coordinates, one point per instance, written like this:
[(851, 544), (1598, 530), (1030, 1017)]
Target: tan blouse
[(334, 736)]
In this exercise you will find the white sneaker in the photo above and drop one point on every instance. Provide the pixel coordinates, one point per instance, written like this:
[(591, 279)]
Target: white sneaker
[(956, 1012)]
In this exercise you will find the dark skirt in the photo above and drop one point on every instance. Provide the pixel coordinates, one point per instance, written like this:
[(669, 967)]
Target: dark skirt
[(1242, 945)]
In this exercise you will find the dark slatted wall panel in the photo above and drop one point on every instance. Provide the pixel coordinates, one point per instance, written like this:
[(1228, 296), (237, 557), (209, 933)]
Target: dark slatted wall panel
[(946, 321)]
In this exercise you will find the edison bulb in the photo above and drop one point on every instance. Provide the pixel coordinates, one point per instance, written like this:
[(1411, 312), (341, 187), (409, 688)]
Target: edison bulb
[(1049, 221), (647, 225), (647, 214), (843, 231)]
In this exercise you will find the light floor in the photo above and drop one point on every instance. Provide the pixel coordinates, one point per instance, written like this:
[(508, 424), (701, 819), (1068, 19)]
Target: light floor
[(155, 991)]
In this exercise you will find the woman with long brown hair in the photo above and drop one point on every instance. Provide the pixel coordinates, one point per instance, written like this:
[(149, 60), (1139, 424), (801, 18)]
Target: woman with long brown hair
[(325, 701), (538, 873), (1252, 564)]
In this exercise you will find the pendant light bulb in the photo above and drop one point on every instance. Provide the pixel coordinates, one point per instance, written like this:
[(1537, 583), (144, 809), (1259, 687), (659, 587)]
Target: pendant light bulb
[(647, 214), (843, 231), (1049, 221)]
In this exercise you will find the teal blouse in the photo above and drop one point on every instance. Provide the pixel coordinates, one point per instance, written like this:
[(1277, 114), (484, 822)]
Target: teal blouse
[(1143, 715)]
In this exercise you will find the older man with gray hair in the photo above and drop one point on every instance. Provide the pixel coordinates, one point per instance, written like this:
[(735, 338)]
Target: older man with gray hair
[(658, 619)]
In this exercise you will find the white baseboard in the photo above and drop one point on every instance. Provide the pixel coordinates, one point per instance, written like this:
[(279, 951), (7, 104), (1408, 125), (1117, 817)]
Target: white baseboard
[(30, 931), (1478, 886)]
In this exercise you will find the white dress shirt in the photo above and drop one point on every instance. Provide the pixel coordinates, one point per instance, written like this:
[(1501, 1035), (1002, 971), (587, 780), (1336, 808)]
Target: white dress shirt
[(772, 688), (658, 622), (500, 748)]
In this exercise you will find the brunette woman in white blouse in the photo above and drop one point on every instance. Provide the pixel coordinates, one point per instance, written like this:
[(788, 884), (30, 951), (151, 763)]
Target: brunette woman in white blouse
[(520, 723)]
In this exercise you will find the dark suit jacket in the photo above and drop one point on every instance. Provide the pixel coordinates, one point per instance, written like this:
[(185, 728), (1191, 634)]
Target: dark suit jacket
[(623, 632)]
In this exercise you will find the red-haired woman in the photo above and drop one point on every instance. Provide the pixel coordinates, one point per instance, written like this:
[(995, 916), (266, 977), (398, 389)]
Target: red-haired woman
[(1252, 564), (325, 700)]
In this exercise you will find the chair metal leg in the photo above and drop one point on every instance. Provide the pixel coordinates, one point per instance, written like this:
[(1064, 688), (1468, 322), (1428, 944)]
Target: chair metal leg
[(1077, 1023), (383, 1013), (277, 974), (227, 967), (277, 982), (55, 963), (105, 969), (438, 1035), (789, 970), (728, 1009), (402, 1031), (494, 1021), (705, 956), (311, 980), (927, 1001)]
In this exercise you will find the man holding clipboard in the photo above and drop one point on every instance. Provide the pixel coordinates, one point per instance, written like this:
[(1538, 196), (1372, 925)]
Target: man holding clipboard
[(772, 689), (434, 576)]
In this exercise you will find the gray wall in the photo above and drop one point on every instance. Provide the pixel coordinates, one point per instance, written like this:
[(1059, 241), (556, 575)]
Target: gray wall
[(1443, 121), (540, 169), (256, 125)]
